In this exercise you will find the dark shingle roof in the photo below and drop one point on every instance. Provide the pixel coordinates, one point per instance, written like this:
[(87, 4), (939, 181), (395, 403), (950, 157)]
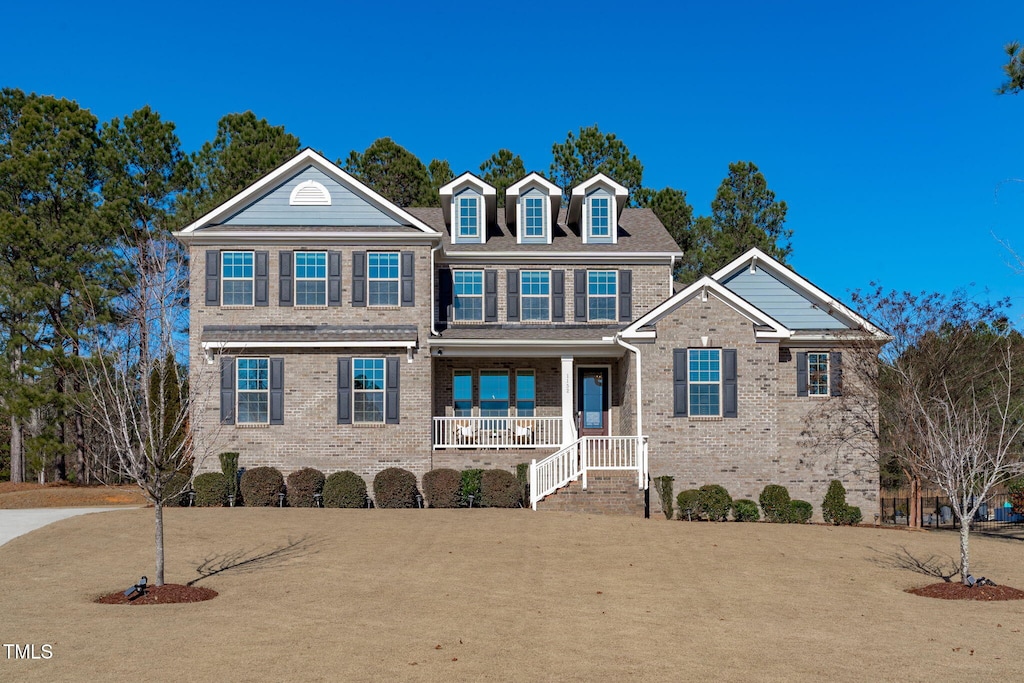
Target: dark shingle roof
[(639, 231)]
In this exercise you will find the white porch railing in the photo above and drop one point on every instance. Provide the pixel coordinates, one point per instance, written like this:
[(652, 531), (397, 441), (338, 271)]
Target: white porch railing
[(588, 453), (497, 432)]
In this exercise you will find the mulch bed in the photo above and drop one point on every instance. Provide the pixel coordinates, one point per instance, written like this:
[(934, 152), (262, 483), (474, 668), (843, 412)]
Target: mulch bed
[(958, 591), (167, 594)]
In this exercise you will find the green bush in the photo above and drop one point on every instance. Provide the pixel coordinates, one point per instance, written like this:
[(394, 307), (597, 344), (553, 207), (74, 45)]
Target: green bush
[(470, 486), (774, 500), (853, 515), (833, 508), (345, 490), (499, 489), (686, 502), (395, 488), (800, 511), (714, 502), (211, 490), (176, 490), (260, 486), (441, 486), (229, 466), (663, 485), (523, 475), (744, 510), (1015, 490), (303, 485)]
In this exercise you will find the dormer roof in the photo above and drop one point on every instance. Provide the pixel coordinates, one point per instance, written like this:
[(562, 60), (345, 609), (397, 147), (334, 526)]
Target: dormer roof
[(580, 192), (468, 180), (554, 193)]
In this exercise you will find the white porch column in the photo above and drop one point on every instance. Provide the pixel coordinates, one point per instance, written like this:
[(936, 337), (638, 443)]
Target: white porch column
[(568, 424)]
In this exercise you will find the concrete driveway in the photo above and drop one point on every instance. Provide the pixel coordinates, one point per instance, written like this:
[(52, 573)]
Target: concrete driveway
[(14, 523)]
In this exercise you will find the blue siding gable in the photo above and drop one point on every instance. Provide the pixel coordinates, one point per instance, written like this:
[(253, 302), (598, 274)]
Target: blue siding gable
[(346, 209), (780, 301)]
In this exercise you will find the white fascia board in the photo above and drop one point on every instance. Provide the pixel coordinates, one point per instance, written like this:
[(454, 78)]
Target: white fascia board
[(520, 348), (467, 178), (307, 344), (623, 258), (306, 157), (755, 315), (790, 277), (840, 337), (296, 237)]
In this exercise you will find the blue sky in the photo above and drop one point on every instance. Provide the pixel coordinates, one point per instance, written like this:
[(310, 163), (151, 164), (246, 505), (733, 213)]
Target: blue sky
[(876, 122)]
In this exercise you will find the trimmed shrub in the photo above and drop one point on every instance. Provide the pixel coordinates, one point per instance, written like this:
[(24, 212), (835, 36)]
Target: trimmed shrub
[(800, 511), (345, 490), (395, 488), (744, 510), (853, 515), (663, 485), (260, 486), (176, 490), (211, 490), (714, 502), (523, 475), (441, 487), (303, 485), (229, 466), (774, 500), (833, 508), (470, 486), (499, 489), (686, 501)]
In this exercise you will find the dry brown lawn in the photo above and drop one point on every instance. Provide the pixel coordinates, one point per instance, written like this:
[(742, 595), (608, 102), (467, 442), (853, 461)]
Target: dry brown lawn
[(500, 595), (30, 495)]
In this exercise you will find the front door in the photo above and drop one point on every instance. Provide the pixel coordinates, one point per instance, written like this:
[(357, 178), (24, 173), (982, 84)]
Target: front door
[(592, 401)]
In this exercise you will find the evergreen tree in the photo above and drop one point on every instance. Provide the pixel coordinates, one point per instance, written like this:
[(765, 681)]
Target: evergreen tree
[(501, 170), (395, 173), (1014, 70), (590, 152)]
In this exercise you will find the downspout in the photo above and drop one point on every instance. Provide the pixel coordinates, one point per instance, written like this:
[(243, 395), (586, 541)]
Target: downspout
[(433, 278), (672, 275), (644, 469)]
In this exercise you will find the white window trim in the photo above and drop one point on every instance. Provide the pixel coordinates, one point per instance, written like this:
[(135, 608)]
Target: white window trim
[(480, 397), (828, 375), (522, 297), (455, 373), (526, 371), (239, 391), (543, 236), (590, 215), (615, 297), (252, 280), (383, 391), (398, 279), (475, 235), (719, 383), (295, 269), (455, 312)]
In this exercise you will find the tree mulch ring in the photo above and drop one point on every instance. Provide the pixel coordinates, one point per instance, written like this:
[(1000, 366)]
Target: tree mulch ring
[(167, 594), (958, 591)]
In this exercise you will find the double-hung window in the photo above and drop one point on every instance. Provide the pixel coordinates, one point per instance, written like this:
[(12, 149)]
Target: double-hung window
[(368, 390), (253, 390), (600, 221), (533, 217), (817, 374), (382, 278), (462, 393), (705, 382), (494, 393), (526, 393), (468, 288), (602, 294), (237, 278), (311, 278), (469, 217), (535, 294)]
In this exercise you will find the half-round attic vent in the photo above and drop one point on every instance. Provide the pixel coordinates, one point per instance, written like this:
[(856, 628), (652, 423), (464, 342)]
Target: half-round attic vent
[(310, 193)]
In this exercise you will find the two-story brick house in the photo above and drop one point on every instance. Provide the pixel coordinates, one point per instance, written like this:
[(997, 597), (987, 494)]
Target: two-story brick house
[(349, 333)]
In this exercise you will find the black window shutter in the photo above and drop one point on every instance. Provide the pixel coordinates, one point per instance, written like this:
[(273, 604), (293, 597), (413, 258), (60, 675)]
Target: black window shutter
[(801, 374), (625, 296), (558, 296), (490, 296), (408, 278), (729, 393), (261, 283), (277, 391), (391, 401), (285, 281), (444, 294), (679, 397), (359, 278), (512, 306), (227, 391), (835, 363), (212, 277), (580, 295), (334, 278), (344, 391)]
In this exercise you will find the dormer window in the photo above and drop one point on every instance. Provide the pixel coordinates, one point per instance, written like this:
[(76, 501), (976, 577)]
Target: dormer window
[(469, 217), (531, 208), (594, 209), (469, 206)]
